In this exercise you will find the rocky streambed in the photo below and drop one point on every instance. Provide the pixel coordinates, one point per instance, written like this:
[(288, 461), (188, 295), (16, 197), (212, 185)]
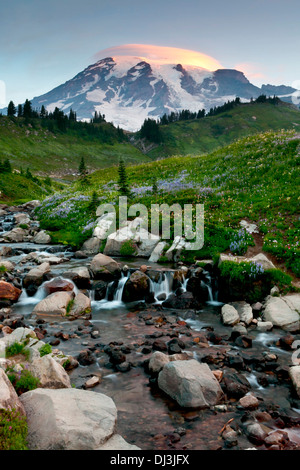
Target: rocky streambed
[(169, 364)]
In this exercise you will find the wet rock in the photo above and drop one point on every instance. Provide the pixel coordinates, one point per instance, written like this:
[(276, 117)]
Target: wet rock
[(16, 235), (185, 300), (295, 376), (116, 356), (92, 382), (277, 438), (249, 402), (91, 246), (80, 276), (190, 383), (244, 341), (286, 341), (264, 326), (123, 367), (80, 307), (159, 345), (256, 433), (235, 385), (244, 310), (86, 358), (54, 304), (57, 285), (137, 287), (36, 276), (100, 288), (229, 315), (105, 268), (8, 292)]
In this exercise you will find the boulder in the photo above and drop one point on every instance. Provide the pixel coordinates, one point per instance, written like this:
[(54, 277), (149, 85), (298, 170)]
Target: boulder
[(22, 218), (7, 265), (42, 238), (136, 232), (80, 276), (137, 287), (8, 292), (36, 276), (104, 225), (16, 235), (57, 285), (57, 303), (229, 315), (158, 360), (157, 252), (76, 419), (19, 335), (283, 312), (294, 373), (244, 310), (80, 307), (190, 384), (8, 397), (104, 267), (116, 442), (264, 326), (259, 259), (50, 373), (91, 246)]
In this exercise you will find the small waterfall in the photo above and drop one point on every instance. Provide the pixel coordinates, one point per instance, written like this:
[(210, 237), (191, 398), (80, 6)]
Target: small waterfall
[(116, 294), (208, 284), (119, 291), (162, 286), (41, 293)]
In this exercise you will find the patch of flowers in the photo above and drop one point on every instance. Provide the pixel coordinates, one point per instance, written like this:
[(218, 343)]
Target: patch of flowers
[(240, 242)]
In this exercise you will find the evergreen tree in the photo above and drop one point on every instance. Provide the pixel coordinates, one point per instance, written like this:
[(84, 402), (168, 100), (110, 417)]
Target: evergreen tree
[(154, 186), (122, 181), (43, 112), (94, 202), (20, 110), (11, 109), (83, 173), (27, 109)]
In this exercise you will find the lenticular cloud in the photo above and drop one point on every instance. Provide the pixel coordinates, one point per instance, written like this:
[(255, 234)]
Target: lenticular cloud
[(162, 55)]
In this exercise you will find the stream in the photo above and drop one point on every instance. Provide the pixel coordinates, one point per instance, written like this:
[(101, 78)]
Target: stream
[(146, 416)]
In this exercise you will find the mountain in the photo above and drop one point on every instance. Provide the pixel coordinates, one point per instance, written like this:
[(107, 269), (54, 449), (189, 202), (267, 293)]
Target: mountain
[(129, 89)]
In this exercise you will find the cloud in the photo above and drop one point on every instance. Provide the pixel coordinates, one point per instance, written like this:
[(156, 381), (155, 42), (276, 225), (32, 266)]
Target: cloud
[(252, 71), (161, 55)]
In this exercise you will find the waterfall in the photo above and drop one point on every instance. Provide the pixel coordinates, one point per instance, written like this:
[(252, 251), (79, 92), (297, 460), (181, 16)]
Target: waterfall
[(41, 293), (162, 286), (208, 284), (117, 295)]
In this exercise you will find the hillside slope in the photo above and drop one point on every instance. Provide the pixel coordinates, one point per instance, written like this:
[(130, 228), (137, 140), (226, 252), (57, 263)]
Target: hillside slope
[(58, 154), (212, 132)]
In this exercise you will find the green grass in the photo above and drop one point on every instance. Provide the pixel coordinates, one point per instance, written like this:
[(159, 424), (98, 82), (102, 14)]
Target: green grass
[(209, 133), (58, 154)]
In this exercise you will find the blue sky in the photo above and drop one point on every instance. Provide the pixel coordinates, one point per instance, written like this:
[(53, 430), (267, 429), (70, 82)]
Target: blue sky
[(44, 43)]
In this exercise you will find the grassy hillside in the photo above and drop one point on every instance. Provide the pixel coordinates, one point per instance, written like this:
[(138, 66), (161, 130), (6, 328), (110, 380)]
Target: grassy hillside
[(16, 188), (58, 154), (255, 178), (212, 132)]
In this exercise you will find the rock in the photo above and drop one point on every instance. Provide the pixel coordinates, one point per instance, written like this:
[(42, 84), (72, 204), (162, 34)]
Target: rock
[(264, 326), (157, 252), (136, 232), (256, 433), (54, 304), (236, 385), (8, 397), (229, 315), (7, 265), (92, 382), (36, 276), (277, 438), (245, 311), (259, 259), (76, 419), (249, 402), (57, 285), (185, 300), (91, 246), (42, 238), (116, 442), (104, 267), (19, 335), (283, 312), (190, 383), (238, 329), (80, 307), (8, 292), (80, 276), (50, 373), (16, 235), (105, 225), (137, 287), (158, 360), (294, 373), (100, 288), (22, 218), (263, 260), (5, 251)]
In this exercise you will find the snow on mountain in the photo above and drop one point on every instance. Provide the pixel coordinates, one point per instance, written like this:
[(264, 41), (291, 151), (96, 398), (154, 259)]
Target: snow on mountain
[(128, 89)]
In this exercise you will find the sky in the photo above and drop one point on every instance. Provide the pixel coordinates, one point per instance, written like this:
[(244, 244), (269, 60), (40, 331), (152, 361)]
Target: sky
[(45, 43)]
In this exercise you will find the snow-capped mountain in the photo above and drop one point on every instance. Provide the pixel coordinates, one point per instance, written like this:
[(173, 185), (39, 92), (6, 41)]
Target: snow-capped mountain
[(128, 89)]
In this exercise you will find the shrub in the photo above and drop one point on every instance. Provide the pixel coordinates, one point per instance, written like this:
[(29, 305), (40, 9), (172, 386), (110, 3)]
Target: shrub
[(46, 349), (23, 380), (17, 348), (13, 430), (128, 248)]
